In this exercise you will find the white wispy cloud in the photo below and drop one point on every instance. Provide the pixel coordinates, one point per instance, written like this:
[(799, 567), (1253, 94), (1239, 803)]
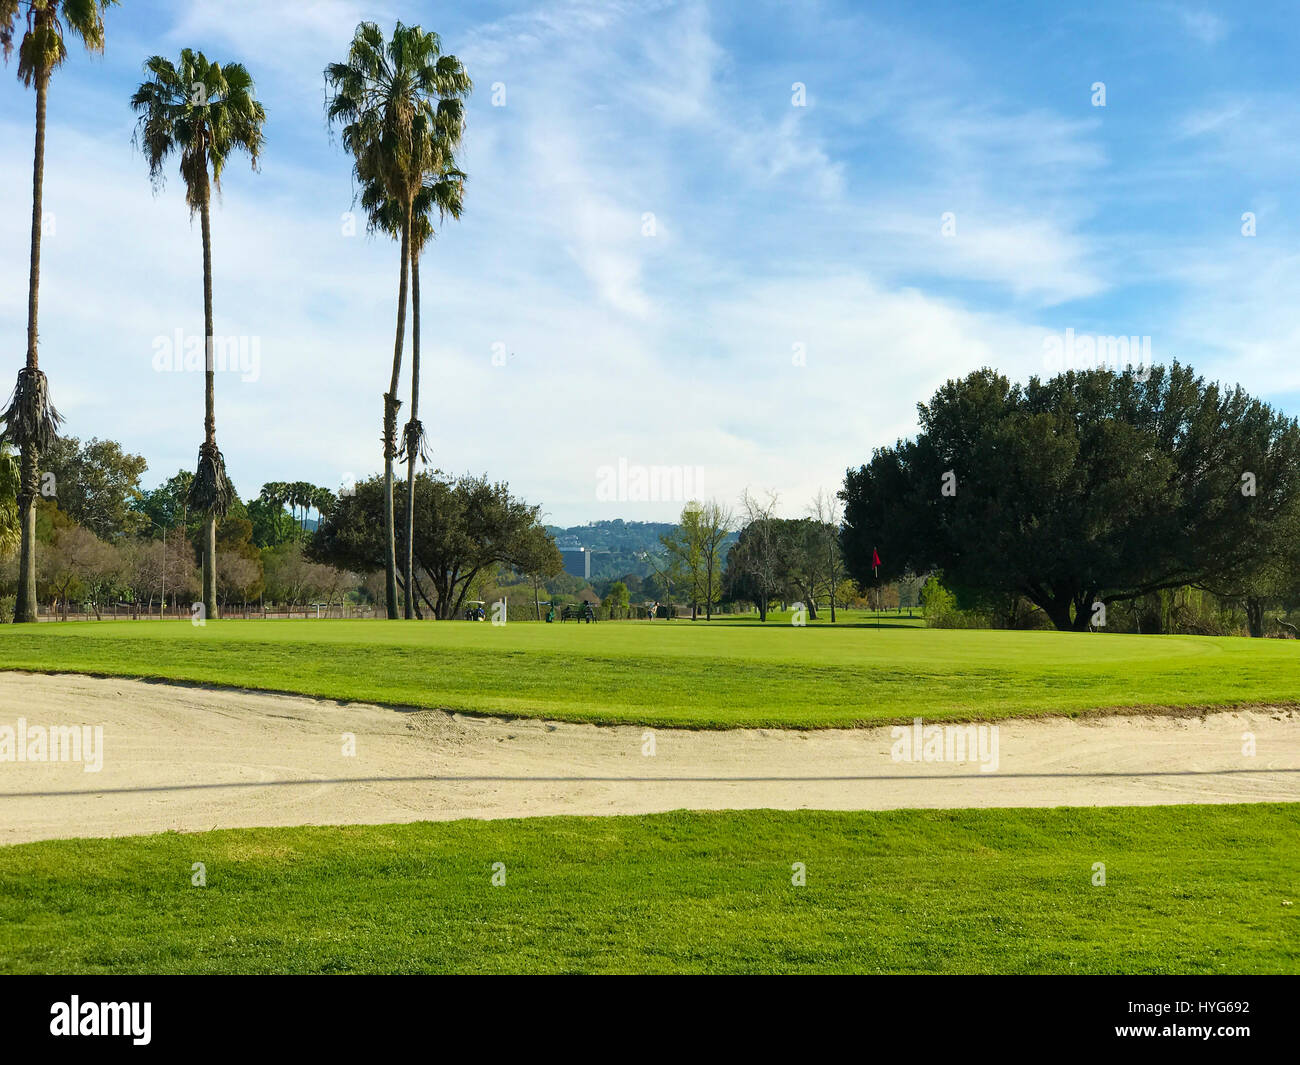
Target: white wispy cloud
[(1202, 24), (773, 226)]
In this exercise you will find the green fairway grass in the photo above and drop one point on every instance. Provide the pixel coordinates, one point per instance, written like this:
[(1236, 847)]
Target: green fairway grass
[(1189, 889), (680, 673)]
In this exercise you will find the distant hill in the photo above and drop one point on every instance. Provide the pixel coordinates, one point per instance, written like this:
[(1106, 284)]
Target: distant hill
[(617, 545), (613, 535)]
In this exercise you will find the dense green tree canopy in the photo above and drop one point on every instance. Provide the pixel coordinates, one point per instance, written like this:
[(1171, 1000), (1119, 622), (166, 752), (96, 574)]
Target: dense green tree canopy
[(782, 558), (1088, 487), (97, 484), (167, 506), (463, 526), (272, 524)]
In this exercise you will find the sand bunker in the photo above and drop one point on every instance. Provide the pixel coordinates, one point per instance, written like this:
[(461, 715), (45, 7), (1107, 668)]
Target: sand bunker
[(191, 759)]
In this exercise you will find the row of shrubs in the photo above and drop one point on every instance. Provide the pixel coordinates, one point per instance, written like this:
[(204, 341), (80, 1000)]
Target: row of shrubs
[(521, 611), (1191, 611)]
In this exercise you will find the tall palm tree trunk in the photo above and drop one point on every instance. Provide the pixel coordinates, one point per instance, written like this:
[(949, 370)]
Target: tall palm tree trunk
[(25, 606), (391, 405), (413, 443), (209, 415)]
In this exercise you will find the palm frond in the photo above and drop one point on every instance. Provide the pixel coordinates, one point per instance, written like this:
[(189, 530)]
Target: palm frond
[(414, 442), (201, 111), (85, 18), (41, 51), (398, 103), (42, 47), (210, 490), (30, 419), (8, 26)]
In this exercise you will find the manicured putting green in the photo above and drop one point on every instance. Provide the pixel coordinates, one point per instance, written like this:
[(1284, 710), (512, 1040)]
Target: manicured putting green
[(698, 674)]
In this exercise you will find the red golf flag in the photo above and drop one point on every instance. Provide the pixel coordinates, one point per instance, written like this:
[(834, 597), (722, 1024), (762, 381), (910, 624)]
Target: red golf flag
[(875, 557)]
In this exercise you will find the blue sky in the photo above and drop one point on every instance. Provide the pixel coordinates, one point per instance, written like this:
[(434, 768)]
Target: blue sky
[(798, 295)]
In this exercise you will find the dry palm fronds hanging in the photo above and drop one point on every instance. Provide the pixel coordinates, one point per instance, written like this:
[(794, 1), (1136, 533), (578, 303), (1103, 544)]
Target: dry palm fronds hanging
[(210, 489), (31, 420), (414, 442)]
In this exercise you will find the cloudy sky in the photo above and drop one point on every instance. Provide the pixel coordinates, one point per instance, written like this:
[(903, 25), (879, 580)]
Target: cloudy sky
[(740, 238)]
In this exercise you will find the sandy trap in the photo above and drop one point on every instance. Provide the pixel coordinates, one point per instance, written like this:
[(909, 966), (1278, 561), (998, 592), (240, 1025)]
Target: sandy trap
[(192, 759)]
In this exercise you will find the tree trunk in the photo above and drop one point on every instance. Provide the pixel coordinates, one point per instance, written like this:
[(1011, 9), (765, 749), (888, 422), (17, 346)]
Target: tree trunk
[(391, 404), (1057, 608), (421, 593), (210, 566), (1255, 616), (1058, 614), (415, 414), (830, 561), (1083, 611), (25, 606), (209, 410), (464, 590)]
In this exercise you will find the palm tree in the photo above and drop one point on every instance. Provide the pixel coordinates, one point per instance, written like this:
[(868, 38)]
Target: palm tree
[(442, 191), (323, 500), (202, 112), (276, 493), (383, 97), (10, 526), (302, 501), (31, 422)]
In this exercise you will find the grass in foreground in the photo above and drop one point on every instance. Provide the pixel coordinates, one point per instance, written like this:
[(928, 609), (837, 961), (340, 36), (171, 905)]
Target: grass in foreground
[(697, 675), (1189, 889)]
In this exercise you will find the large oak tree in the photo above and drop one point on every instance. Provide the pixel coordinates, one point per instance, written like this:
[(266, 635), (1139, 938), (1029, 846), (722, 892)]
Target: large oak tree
[(1091, 487), (464, 526)]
